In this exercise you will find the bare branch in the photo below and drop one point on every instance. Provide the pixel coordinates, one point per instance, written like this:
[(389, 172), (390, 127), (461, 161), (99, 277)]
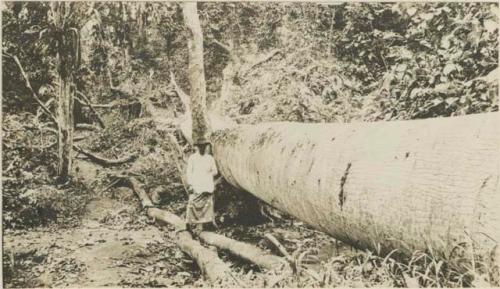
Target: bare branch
[(28, 85), (265, 59), (221, 45), (104, 161), (91, 107)]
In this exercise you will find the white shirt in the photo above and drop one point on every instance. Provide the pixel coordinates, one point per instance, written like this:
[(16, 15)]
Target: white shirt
[(201, 171)]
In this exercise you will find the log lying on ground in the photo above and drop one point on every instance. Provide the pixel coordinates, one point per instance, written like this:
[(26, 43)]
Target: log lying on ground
[(212, 267), (104, 161), (86, 126), (141, 194), (411, 185), (240, 249), (208, 261), (243, 250)]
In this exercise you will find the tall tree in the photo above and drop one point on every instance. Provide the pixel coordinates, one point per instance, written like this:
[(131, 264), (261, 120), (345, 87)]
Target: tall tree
[(196, 73), (67, 45)]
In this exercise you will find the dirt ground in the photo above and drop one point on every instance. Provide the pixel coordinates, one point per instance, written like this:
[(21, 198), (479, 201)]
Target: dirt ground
[(113, 243), (113, 246), (116, 244)]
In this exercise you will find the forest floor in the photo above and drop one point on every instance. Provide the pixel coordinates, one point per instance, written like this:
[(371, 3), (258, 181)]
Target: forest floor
[(112, 246), (115, 244)]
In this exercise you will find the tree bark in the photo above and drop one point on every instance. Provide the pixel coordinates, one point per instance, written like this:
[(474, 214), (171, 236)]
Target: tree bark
[(68, 58), (104, 161), (411, 185), (65, 128), (243, 250), (196, 73)]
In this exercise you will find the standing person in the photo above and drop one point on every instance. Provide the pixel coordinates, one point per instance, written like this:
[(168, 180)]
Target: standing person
[(201, 170)]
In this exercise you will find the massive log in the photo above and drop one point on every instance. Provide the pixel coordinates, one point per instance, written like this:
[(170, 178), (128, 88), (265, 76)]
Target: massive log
[(411, 185)]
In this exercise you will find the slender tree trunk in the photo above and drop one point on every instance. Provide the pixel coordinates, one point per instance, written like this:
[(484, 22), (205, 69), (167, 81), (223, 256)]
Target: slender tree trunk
[(67, 57), (66, 125), (196, 73)]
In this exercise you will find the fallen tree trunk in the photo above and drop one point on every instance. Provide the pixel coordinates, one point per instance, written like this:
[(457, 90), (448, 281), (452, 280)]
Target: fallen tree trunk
[(104, 161), (212, 267), (411, 185), (86, 126), (240, 249), (243, 250), (208, 261)]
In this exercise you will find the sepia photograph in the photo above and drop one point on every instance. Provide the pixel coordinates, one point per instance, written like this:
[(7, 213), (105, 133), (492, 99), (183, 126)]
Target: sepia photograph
[(250, 144)]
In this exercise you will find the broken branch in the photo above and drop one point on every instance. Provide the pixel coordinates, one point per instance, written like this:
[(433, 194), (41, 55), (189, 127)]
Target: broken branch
[(280, 247), (265, 59), (221, 45), (243, 250), (28, 85), (91, 107), (143, 196), (104, 161), (86, 126)]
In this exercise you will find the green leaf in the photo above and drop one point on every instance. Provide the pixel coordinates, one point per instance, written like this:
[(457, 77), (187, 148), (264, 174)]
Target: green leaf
[(451, 100), (425, 43), (490, 26), (446, 41), (436, 101), (411, 11), (427, 16), (449, 68)]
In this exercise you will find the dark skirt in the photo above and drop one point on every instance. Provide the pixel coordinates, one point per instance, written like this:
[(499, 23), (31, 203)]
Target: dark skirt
[(200, 208)]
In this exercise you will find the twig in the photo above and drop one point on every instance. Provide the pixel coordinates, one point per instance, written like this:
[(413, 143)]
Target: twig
[(223, 46), (111, 184), (280, 247), (111, 80), (266, 58), (111, 104), (91, 107), (28, 85)]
